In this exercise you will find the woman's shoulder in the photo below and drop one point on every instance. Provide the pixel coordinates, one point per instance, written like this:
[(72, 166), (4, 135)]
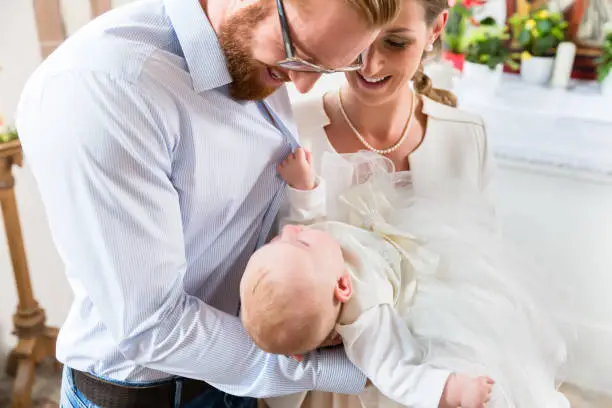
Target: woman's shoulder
[(309, 112), (449, 114), (311, 119)]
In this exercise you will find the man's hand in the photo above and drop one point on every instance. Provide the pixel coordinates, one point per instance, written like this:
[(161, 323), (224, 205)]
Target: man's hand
[(296, 170)]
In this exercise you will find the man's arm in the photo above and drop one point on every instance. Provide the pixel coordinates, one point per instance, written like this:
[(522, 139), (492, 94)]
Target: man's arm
[(103, 162), (380, 344)]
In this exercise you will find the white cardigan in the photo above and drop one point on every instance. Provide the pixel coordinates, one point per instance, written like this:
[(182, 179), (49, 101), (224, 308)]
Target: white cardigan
[(454, 146)]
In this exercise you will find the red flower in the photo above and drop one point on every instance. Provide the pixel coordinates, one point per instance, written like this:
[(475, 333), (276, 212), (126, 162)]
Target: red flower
[(473, 3), (451, 3)]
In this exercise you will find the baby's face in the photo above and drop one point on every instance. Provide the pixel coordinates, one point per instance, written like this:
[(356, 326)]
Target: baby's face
[(322, 250)]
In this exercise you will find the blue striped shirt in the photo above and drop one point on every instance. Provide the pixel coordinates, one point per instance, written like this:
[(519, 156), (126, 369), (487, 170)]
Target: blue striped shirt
[(158, 187)]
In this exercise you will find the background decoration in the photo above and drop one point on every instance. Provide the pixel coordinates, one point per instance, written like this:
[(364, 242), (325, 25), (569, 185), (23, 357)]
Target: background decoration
[(460, 18), (585, 18)]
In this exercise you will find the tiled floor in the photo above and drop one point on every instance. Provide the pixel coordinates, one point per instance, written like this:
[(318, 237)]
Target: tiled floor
[(46, 392)]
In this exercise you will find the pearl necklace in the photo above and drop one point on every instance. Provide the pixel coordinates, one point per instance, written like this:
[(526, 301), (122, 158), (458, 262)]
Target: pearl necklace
[(362, 139)]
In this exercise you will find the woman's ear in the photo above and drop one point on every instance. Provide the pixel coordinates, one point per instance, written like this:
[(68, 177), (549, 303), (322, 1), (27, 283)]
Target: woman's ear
[(344, 288), (438, 26)]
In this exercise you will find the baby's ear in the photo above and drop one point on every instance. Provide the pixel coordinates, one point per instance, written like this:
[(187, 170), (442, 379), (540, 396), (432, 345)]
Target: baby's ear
[(344, 288)]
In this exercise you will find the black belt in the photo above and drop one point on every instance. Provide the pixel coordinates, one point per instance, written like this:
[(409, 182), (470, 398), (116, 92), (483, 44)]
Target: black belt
[(108, 395)]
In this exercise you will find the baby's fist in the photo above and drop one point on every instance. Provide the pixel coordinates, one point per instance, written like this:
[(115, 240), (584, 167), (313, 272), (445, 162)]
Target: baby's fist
[(466, 392), (477, 392), (296, 170)]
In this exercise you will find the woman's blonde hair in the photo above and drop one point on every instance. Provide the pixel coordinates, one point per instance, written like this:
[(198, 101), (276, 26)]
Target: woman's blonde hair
[(377, 12), (422, 83)]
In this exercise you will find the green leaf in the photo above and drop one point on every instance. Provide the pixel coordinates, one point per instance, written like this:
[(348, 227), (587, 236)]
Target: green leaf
[(524, 38), (543, 45), (9, 136), (512, 64), (559, 35), (488, 21), (603, 71), (544, 26)]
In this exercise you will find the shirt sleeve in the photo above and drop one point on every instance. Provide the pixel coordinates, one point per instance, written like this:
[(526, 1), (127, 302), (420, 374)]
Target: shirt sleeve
[(304, 207), (102, 158), (380, 344)]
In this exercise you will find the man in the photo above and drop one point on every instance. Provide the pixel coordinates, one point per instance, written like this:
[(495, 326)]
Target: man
[(158, 175)]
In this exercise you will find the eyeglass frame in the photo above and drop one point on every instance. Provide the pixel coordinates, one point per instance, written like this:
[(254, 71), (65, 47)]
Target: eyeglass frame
[(291, 60)]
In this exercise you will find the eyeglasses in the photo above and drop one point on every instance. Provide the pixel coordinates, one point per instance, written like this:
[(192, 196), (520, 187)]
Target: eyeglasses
[(293, 63)]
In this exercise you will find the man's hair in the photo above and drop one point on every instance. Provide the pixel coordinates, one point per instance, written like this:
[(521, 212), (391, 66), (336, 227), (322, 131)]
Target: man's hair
[(377, 12)]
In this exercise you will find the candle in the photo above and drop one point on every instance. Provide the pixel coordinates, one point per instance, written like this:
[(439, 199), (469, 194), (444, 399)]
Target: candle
[(564, 61)]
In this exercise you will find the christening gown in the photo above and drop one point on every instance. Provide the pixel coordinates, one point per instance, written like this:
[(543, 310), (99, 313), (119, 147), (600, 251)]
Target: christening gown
[(435, 289)]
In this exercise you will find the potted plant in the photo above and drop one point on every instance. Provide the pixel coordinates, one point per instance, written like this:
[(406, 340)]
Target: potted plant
[(604, 63), (459, 14), (538, 36), (7, 134), (486, 53)]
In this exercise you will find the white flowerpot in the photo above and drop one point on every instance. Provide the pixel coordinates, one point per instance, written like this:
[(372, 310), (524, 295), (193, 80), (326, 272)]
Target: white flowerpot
[(481, 77), (537, 70), (606, 86)]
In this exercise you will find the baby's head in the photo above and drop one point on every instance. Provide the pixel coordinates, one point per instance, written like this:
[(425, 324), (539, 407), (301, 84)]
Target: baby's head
[(292, 290)]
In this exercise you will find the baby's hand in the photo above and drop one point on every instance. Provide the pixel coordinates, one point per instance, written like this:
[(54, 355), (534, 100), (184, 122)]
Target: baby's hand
[(466, 392), (296, 170), (334, 339)]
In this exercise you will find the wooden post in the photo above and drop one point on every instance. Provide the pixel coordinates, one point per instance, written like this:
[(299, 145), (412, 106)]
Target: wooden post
[(99, 7), (36, 341), (50, 25)]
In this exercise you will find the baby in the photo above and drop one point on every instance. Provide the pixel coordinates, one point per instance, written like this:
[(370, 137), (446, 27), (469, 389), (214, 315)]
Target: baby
[(310, 284)]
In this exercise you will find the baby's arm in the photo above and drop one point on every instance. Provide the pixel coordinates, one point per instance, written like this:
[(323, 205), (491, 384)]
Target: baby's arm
[(305, 192), (380, 344)]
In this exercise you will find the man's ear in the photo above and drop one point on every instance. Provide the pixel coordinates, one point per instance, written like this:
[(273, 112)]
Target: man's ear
[(344, 288)]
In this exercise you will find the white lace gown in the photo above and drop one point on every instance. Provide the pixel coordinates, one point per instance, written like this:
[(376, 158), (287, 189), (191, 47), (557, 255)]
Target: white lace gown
[(464, 300)]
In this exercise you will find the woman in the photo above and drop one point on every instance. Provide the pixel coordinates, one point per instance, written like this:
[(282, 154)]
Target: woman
[(376, 109), (419, 130)]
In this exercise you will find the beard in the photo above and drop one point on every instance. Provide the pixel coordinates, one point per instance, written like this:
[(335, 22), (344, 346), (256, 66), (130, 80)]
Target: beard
[(236, 38)]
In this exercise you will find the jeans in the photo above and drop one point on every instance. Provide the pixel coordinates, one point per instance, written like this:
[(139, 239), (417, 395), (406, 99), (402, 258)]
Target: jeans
[(73, 398)]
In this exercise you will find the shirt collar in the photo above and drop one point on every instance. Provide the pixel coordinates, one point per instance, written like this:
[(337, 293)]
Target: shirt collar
[(201, 49)]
